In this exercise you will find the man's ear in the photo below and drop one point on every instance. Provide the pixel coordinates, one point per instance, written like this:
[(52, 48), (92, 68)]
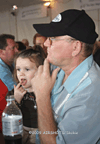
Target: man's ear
[(77, 47)]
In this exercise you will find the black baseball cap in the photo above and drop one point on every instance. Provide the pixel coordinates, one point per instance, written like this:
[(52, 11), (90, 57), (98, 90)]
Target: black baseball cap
[(72, 22)]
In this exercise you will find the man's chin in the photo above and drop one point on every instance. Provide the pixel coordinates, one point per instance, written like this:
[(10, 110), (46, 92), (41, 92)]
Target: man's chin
[(48, 60)]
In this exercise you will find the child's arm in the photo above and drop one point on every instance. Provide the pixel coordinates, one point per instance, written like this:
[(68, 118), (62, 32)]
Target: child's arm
[(19, 92)]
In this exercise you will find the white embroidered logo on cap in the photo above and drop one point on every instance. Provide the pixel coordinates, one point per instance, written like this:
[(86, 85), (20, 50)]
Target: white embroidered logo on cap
[(57, 18)]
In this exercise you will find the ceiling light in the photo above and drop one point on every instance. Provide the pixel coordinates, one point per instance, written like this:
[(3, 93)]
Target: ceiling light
[(15, 7), (47, 4)]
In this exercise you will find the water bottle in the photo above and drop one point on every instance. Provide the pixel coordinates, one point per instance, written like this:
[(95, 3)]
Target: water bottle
[(12, 123)]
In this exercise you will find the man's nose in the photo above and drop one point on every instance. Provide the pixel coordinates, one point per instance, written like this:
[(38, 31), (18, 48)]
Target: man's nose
[(47, 43)]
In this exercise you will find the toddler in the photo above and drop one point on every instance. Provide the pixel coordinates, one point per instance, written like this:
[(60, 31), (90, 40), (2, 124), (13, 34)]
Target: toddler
[(26, 65)]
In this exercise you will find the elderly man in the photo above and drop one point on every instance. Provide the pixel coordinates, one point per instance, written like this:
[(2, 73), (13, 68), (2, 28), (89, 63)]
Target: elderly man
[(68, 100), (7, 53)]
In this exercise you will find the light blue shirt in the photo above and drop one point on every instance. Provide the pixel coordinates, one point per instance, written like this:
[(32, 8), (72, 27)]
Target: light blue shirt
[(76, 104), (6, 75), (72, 81)]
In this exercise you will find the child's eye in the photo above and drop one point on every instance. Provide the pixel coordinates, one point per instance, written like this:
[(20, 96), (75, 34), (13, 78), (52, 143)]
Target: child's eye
[(27, 69), (18, 69)]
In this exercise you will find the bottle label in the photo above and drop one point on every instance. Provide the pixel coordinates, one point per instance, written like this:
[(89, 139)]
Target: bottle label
[(12, 125)]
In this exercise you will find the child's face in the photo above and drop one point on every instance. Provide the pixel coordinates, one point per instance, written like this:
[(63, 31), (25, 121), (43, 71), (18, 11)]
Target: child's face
[(25, 72)]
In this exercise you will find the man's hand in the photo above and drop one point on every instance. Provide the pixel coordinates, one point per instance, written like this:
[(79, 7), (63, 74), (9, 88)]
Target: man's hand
[(18, 92), (43, 82)]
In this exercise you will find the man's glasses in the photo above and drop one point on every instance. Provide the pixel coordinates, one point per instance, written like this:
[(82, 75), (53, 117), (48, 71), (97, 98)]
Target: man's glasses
[(12, 48), (52, 39)]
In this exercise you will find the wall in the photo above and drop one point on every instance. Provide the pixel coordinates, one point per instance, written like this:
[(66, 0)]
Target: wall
[(24, 29)]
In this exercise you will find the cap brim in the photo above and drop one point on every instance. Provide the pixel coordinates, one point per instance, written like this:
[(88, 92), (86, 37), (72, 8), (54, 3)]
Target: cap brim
[(47, 30)]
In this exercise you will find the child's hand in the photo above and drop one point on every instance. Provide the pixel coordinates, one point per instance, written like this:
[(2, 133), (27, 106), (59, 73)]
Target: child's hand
[(19, 92)]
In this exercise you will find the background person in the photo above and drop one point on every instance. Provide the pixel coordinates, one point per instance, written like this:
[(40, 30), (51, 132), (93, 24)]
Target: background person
[(96, 52), (20, 46), (68, 100), (8, 51), (39, 40), (40, 49), (25, 42)]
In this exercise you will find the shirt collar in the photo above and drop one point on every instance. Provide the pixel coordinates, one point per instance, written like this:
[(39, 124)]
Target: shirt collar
[(77, 74), (7, 66), (2, 62)]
